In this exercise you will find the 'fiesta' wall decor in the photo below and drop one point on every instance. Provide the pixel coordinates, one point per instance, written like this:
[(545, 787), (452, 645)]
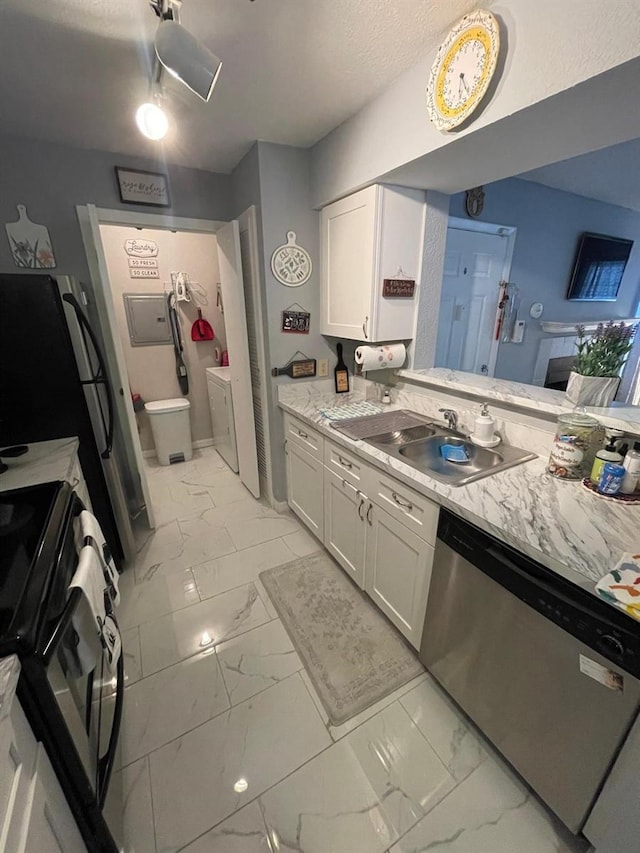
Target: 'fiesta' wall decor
[(291, 264), (30, 243)]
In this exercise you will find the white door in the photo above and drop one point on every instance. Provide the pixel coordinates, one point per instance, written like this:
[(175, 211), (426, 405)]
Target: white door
[(127, 427), (305, 487), (398, 572), (473, 269), (250, 257), (235, 321), (344, 525)]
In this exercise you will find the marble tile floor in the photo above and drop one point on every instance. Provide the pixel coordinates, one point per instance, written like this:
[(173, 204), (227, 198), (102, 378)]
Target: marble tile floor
[(226, 747)]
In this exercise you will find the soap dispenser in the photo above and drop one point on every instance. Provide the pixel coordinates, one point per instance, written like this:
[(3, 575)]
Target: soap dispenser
[(484, 431)]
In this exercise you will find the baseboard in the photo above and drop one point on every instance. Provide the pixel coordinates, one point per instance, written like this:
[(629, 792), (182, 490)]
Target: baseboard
[(202, 442), (280, 506)]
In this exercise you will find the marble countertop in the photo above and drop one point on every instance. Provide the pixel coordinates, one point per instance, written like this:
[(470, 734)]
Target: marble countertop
[(9, 672), (545, 400), (44, 462), (556, 522)]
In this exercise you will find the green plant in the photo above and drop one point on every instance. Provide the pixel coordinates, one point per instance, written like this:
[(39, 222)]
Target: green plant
[(605, 352)]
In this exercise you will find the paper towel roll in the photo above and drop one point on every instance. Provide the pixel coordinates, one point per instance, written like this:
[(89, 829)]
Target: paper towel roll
[(381, 358)]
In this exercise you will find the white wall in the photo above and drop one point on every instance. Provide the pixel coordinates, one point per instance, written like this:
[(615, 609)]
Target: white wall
[(151, 369), (549, 47)]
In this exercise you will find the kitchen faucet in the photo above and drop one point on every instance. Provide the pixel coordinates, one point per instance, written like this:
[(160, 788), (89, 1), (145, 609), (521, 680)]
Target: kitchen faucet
[(451, 417)]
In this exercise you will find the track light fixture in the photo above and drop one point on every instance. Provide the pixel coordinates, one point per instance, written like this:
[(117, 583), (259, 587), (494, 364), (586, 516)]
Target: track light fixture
[(187, 59), (184, 57), (152, 121)]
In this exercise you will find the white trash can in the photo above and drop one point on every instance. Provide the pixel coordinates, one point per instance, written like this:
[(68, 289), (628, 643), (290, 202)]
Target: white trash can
[(171, 429)]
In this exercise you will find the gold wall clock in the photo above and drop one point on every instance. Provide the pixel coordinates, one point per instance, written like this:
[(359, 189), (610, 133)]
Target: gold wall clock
[(463, 69)]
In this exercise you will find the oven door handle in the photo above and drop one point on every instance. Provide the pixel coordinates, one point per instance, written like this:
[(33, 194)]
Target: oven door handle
[(106, 762)]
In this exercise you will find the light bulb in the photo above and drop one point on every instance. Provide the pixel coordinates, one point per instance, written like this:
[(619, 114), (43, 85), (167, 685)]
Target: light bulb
[(152, 121)]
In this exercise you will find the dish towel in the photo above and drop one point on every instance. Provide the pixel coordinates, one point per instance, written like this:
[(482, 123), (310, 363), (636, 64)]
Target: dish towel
[(621, 586), (95, 627), (89, 528)]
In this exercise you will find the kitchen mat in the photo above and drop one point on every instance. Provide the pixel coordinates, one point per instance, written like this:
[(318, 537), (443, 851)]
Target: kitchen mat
[(352, 654)]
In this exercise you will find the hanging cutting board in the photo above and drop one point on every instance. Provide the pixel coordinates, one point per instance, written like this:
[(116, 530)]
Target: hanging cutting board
[(30, 243)]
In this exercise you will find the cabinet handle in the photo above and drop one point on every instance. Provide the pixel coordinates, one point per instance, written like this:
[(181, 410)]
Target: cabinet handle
[(369, 515), (286, 452), (345, 463), (302, 434), (364, 328), (360, 505), (404, 504)]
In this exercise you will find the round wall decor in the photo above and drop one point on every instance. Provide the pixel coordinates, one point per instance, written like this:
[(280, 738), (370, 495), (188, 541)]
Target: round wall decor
[(462, 70), (291, 264), (474, 201)]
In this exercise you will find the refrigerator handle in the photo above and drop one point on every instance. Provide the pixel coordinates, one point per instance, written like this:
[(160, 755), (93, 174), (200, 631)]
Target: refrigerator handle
[(86, 326)]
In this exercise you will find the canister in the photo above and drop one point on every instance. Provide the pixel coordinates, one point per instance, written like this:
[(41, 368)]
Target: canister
[(577, 438), (611, 478)]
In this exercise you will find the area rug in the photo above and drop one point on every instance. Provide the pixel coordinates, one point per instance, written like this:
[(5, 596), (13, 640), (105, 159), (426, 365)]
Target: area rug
[(352, 654)]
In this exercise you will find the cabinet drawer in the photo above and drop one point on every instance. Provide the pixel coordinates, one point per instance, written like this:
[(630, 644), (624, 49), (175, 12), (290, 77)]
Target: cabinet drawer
[(304, 436), (348, 466), (411, 508)]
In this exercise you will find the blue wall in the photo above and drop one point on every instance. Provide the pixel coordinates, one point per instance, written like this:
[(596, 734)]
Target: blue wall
[(549, 223)]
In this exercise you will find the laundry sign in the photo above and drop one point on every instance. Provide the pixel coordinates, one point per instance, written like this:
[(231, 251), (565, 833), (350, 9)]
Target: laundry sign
[(138, 248)]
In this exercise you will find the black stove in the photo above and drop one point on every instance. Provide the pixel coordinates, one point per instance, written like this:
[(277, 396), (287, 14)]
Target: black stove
[(33, 577)]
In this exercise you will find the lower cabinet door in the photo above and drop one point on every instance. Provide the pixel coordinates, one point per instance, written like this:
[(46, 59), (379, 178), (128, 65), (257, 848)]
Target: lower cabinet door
[(398, 572), (344, 525), (305, 487), (51, 827)]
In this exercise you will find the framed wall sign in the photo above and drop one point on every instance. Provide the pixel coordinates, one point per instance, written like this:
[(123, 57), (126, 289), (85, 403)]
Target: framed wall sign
[(398, 288), (137, 186), (296, 322)]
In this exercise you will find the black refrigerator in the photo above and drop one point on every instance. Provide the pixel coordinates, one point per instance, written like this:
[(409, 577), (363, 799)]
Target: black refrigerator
[(42, 395)]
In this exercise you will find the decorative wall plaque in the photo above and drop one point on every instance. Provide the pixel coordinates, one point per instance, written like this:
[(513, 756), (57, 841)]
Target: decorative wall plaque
[(30, 243), (291, 264), (296, 322), (140, 248), (398, 288)]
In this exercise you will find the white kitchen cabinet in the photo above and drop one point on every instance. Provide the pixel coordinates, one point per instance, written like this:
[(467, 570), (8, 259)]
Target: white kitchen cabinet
[(344, 525), (397, 572), (374, 234), (34, 814), (49, 825), (305, 486)]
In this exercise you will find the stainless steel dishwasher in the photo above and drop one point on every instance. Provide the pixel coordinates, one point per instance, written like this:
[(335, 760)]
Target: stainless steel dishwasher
[(546, 670)]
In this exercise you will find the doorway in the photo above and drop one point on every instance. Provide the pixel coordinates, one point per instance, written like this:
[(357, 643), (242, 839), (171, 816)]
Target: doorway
[(231, 287), (477, 259)]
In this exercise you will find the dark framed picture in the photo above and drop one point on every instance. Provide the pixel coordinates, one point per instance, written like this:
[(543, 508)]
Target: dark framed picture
[(137, 186)]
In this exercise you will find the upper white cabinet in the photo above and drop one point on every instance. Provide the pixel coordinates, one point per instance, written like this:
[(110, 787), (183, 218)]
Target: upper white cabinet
[(374, 234)]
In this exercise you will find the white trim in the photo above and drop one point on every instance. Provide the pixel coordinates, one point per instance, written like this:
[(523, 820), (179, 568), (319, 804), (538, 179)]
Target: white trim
[(280, 506), (508, 231), (202, 442), (165, 221), (570, 328)]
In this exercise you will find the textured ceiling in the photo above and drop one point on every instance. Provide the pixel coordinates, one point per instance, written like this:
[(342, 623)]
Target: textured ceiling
[(73, 71), (611, 175)]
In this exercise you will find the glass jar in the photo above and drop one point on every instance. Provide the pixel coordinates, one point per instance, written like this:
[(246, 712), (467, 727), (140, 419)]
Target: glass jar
[(577, 439)]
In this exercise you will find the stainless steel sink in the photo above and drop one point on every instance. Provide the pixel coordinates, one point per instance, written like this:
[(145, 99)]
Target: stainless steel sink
[(419, 446)]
